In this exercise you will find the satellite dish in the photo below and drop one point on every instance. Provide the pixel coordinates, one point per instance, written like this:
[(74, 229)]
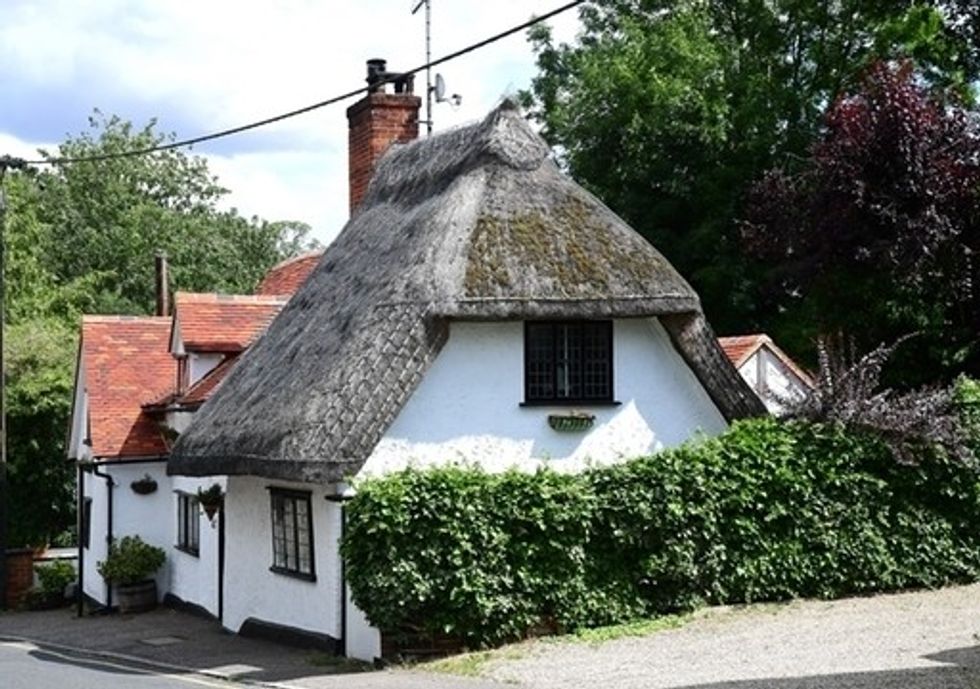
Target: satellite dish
[(440, 88)]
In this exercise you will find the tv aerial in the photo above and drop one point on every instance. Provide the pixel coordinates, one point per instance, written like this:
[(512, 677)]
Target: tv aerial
[(439, 89)]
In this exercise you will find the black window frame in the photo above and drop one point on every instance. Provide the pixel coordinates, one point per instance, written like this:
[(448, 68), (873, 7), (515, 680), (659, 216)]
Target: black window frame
[(86, 534), (282, 565), (608, 398), (188, 524)]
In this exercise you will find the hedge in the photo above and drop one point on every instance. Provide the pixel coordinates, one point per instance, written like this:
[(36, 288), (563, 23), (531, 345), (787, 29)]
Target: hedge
[(767, 511)]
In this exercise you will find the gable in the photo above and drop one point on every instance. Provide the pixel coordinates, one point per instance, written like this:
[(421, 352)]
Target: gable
[(124, 363), (311, 398)]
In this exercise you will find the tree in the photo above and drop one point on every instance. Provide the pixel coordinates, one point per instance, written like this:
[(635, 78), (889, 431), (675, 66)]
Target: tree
[(877, 232), (109, 217), (81, 238), (670, 110)]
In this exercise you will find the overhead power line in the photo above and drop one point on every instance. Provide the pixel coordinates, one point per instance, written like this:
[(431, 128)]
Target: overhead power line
[(300, 111)]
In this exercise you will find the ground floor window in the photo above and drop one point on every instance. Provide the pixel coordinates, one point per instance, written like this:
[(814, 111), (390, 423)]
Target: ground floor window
[(292, 533), (188, 523)]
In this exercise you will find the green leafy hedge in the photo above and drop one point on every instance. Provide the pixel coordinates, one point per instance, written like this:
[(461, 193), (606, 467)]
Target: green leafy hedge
[(767, 511)]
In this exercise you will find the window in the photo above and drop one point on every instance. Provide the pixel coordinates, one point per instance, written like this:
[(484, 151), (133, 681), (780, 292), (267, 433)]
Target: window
[(86, 522), (567, 362), (188, 524), (292, 533)]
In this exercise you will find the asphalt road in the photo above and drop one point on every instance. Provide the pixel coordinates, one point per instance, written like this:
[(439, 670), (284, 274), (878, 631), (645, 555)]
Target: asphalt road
[(25, 666)]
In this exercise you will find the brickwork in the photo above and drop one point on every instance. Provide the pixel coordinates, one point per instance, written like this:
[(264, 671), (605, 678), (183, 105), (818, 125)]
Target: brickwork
[(20, 575), (377, 121)]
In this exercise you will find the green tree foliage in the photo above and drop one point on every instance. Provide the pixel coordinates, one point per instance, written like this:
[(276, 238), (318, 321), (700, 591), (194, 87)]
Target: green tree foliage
[(769, 511), (669, 111), (81, 238)]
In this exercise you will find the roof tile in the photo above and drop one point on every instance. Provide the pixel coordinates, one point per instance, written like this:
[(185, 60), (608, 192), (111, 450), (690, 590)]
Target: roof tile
[(223, 322), (126, 362), (285, 278)]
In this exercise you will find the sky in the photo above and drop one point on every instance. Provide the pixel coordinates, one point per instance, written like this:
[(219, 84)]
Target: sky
[(202, 65)]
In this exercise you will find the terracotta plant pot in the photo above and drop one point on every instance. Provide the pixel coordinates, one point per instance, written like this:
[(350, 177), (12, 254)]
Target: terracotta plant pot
[(138, 597)]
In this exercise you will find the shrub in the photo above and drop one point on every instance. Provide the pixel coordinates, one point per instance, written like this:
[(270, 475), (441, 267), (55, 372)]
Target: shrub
[(770, 510), (131, 561), (55, 576)]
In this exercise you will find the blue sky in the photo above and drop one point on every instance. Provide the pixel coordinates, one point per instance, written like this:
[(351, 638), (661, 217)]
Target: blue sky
[(203, 65)]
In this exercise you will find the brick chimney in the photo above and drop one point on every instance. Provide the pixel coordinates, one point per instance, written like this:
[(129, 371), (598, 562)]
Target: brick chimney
[(378, 120)]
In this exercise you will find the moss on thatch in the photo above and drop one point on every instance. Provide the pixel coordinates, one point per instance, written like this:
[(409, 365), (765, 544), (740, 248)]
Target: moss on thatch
[(474, 223)]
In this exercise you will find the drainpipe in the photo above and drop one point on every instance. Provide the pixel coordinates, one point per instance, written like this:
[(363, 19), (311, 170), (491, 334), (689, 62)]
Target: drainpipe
[(341, 500), (80, 517), (221, 565), (109, 484)]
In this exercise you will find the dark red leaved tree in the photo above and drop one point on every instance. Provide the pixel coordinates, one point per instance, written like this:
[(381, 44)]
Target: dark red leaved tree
[(877, 232)]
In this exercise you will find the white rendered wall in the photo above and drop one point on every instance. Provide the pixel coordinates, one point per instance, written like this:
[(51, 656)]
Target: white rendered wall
[(251, 589), (78, 448), (194, 579), (773, 381), (201, 364), (145, 516), (467, 407), (153, 518), (92, 584), (178, 421), (363, 640)]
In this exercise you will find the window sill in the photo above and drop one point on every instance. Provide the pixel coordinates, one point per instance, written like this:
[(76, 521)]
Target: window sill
[(293, 574), (188, 551), (571, 403)]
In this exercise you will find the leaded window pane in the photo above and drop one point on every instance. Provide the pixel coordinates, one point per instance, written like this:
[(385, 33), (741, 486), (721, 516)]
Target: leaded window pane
[(292, 535), (568, 361)]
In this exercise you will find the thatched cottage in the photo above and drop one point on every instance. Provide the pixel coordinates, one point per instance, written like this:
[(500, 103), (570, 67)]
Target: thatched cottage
[(479, 306), (138, 382)]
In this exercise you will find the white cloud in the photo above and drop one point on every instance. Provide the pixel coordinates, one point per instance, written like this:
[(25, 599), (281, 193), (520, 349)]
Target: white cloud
[(215, 64)]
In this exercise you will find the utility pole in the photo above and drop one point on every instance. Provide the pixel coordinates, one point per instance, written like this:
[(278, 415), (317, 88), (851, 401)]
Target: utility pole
[(6, 163)]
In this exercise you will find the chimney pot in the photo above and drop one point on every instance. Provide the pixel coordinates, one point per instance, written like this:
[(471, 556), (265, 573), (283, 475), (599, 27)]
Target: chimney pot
[(376, 69), (162, 284)]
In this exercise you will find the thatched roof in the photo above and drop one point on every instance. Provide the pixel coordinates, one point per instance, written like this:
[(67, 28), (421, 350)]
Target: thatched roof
[(475, 223)]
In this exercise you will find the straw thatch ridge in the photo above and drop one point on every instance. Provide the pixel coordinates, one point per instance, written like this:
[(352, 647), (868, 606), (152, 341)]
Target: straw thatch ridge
[(476, 223)]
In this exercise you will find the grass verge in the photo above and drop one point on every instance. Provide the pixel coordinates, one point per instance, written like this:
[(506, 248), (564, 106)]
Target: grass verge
[(474, 663)]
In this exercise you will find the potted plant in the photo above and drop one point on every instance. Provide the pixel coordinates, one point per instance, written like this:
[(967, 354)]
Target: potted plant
[(54, 578), (211, 499), (130, 566)]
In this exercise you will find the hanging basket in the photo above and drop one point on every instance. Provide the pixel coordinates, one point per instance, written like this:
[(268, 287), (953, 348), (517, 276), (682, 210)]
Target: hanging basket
[(144, 486), (211, 500), (211, 509)]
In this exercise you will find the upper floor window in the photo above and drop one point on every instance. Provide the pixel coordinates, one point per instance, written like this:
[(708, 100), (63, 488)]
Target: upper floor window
[(568, 362), (292, 533)]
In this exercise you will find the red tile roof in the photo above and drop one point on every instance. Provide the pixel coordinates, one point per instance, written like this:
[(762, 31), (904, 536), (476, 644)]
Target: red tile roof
[(285, 278), (126, 362), (740, 348), (221, 322)]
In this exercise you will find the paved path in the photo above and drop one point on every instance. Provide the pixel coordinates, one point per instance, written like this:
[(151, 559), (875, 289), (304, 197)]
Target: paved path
[(926, 640), (186, 645)]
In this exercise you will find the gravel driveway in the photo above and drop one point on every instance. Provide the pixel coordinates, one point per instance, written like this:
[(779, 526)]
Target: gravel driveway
[(926, 640)]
